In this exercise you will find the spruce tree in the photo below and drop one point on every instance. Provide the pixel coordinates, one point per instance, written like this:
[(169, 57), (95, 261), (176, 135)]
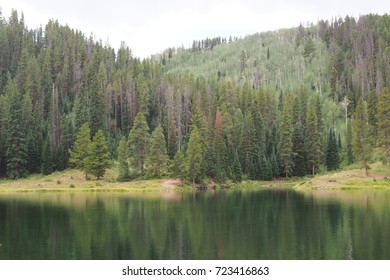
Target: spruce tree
[(236, 172), (123, 153), (16, 154), (157, 159), (178, 165), (383, 117), (274, 165), (313, 139), (98, 159), (139, 143), (195, 157), (80, 148), (299, 151), (332, 153), (46, 158), (286, 135), (372, 105), (360, 143), (348, 149)]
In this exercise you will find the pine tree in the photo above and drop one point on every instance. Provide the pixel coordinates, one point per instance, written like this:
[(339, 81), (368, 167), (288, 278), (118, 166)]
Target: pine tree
[(299, 151), (360, 143), (372, 106), (46, 158), (80, 149), (286, 135), (157, 159), (236, 172), (313, 139), (178, 165), (349, 150), (332, 153), (98, 159), (383, 117), (219, 149), (16, 138), (123, 153), (195, 157), (139, 143), (274, 165)]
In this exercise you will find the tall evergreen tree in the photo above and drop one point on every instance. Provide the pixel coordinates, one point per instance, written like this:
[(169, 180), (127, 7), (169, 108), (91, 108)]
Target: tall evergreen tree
[(286, 135), (123, 153), (16, 138), (158, 157), (372, 106), (195, 156), (81, 148), (98, 159), (348, 148), (299, 151), (313, 139), (139, 143), (360, 143), (332, 153), (383, 117), (178, 165), (46, 158), (236, 168)]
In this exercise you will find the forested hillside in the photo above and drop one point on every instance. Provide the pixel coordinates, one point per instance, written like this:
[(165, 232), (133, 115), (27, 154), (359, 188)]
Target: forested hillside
[(273, 104)]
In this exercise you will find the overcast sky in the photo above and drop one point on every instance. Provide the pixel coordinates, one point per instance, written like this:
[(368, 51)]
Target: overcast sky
[(150, 26)]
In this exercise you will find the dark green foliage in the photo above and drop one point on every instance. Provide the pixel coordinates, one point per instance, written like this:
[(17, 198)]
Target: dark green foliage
[(139, 143), (349, 151), (372, 105), (98, 159), (123, 153), (313, 140), (299, 151), (265, 172), (195, 157), (236, 170), (34, 155), (157, 159), (47, 159), (274, 165), (360, 142), (16, 154), (286, 135), (332, 152), (80, 149), (254, 104), (178, 165), (383, 117)]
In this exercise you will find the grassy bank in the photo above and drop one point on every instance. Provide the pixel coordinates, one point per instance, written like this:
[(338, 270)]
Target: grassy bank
[(353, 178), (74, 181)]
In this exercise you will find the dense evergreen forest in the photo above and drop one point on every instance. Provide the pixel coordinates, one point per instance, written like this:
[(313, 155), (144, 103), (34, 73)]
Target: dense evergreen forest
[(285, 103)]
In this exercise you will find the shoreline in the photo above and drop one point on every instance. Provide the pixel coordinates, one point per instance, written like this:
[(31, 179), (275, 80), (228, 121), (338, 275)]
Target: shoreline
[(74, 181)]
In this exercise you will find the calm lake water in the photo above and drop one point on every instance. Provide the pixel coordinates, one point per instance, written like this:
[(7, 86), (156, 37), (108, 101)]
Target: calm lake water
[(264, 224)]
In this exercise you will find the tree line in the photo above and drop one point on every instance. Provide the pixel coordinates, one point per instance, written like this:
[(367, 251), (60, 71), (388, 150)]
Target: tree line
[(68, 101)]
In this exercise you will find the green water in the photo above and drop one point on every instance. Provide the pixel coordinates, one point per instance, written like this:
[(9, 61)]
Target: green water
[(266, 224)]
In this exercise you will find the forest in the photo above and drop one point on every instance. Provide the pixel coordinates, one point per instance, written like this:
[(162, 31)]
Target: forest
[(291, 102)]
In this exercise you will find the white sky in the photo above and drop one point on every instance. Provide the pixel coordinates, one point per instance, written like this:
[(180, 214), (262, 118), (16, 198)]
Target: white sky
[(150, 26)]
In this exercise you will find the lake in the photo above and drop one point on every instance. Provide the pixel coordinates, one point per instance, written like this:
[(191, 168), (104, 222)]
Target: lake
[(233, 224)]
